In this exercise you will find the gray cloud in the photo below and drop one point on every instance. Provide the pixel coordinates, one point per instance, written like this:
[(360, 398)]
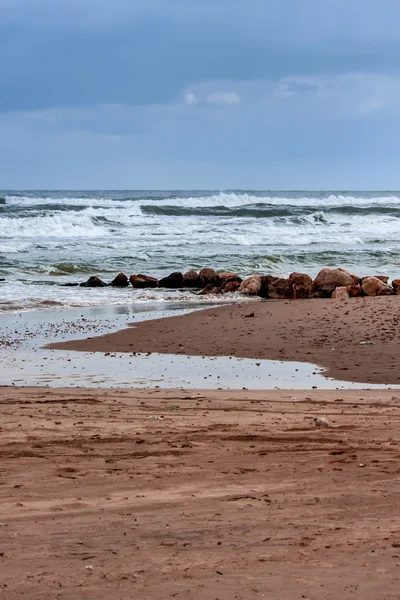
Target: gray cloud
[(145, 51), (199, 93)]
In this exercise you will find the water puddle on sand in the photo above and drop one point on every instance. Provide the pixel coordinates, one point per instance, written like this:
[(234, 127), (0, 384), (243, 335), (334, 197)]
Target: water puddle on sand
[(25, 363)]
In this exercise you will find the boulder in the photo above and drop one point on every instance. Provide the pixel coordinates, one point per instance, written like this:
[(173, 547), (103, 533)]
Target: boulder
[(210, 289), (383, 278), (191, 279), (228, 277), (173, 281), (354, 290), (340, 293), (329, 279), (67, 284), (372, 286), (231, 281), (93, 282), (143, 281), (301, 285), (279, 288), (274, 287), (231, 286), (396, 286), (120, 280), (250, 286), (208, 276)]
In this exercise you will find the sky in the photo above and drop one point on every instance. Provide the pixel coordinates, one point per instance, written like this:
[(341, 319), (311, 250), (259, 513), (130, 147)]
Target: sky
[(200, 94)]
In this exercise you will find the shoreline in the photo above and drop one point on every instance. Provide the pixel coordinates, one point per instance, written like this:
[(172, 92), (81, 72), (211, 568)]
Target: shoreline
[(195, 493), (355, 340), (26, 363)]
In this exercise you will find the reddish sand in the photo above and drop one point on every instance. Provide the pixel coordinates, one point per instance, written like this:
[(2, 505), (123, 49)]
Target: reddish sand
[(226, 495), (323, 332)]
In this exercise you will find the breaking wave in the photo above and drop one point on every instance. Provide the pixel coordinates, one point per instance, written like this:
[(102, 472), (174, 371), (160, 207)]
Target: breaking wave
[(65, 236)]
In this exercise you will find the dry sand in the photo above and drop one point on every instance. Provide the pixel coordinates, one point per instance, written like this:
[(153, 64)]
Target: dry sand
[(321, 331), (226, 495)]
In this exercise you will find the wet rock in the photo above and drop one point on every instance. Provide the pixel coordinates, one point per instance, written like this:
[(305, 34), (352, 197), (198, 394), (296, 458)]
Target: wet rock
[(329, 279), (231, 286), (191, 279), (143, 281), (120, 280), (396, 286), (230, 282), (250, 286), (93, 282), (354, 290), (210, 289), (301, 285), (208, 276), (274, 287), (279, 288), (229, 277), (340, 293), (70, 284), (172, 281), (372, 286), (3, 279)]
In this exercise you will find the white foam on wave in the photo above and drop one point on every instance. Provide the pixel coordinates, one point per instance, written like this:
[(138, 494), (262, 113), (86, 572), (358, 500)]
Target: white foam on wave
[(143, 233), (65, 201), (226, 199), (233, 200), (14, 247), (57, 225), (17, 296)]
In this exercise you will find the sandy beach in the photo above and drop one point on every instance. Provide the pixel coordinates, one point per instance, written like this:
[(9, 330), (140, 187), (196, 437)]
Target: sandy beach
[(355, 340), (173, 494), (203, 493)]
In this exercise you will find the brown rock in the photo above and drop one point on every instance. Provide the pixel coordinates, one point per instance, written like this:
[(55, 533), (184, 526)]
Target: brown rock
[(329, 279), (274, 287), (301, 285), (231, 280), (143, 281), (93, 282), (208, 276), (120, 280), (250, 286), (228, 276), (231, 286), (172, 281), (382, 278), (191, 279), (372, 286), (354, 290), (396, 286), (279, 288), (356, 279), (210, 289), (340, 293)]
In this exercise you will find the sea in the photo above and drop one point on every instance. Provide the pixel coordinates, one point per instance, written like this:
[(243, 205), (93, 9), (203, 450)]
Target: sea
[(49, 238)]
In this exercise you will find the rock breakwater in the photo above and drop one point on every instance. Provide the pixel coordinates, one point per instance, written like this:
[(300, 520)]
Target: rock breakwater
[(334, 283)]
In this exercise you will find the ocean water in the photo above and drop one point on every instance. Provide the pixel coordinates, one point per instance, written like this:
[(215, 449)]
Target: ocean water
[(49, 238)]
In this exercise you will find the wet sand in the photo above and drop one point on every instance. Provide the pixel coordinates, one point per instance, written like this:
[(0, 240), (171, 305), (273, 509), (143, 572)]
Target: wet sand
[(198, 495), (324, 332)]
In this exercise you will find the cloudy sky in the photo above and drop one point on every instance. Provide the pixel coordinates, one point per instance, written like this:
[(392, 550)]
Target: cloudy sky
[(194, 94)]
